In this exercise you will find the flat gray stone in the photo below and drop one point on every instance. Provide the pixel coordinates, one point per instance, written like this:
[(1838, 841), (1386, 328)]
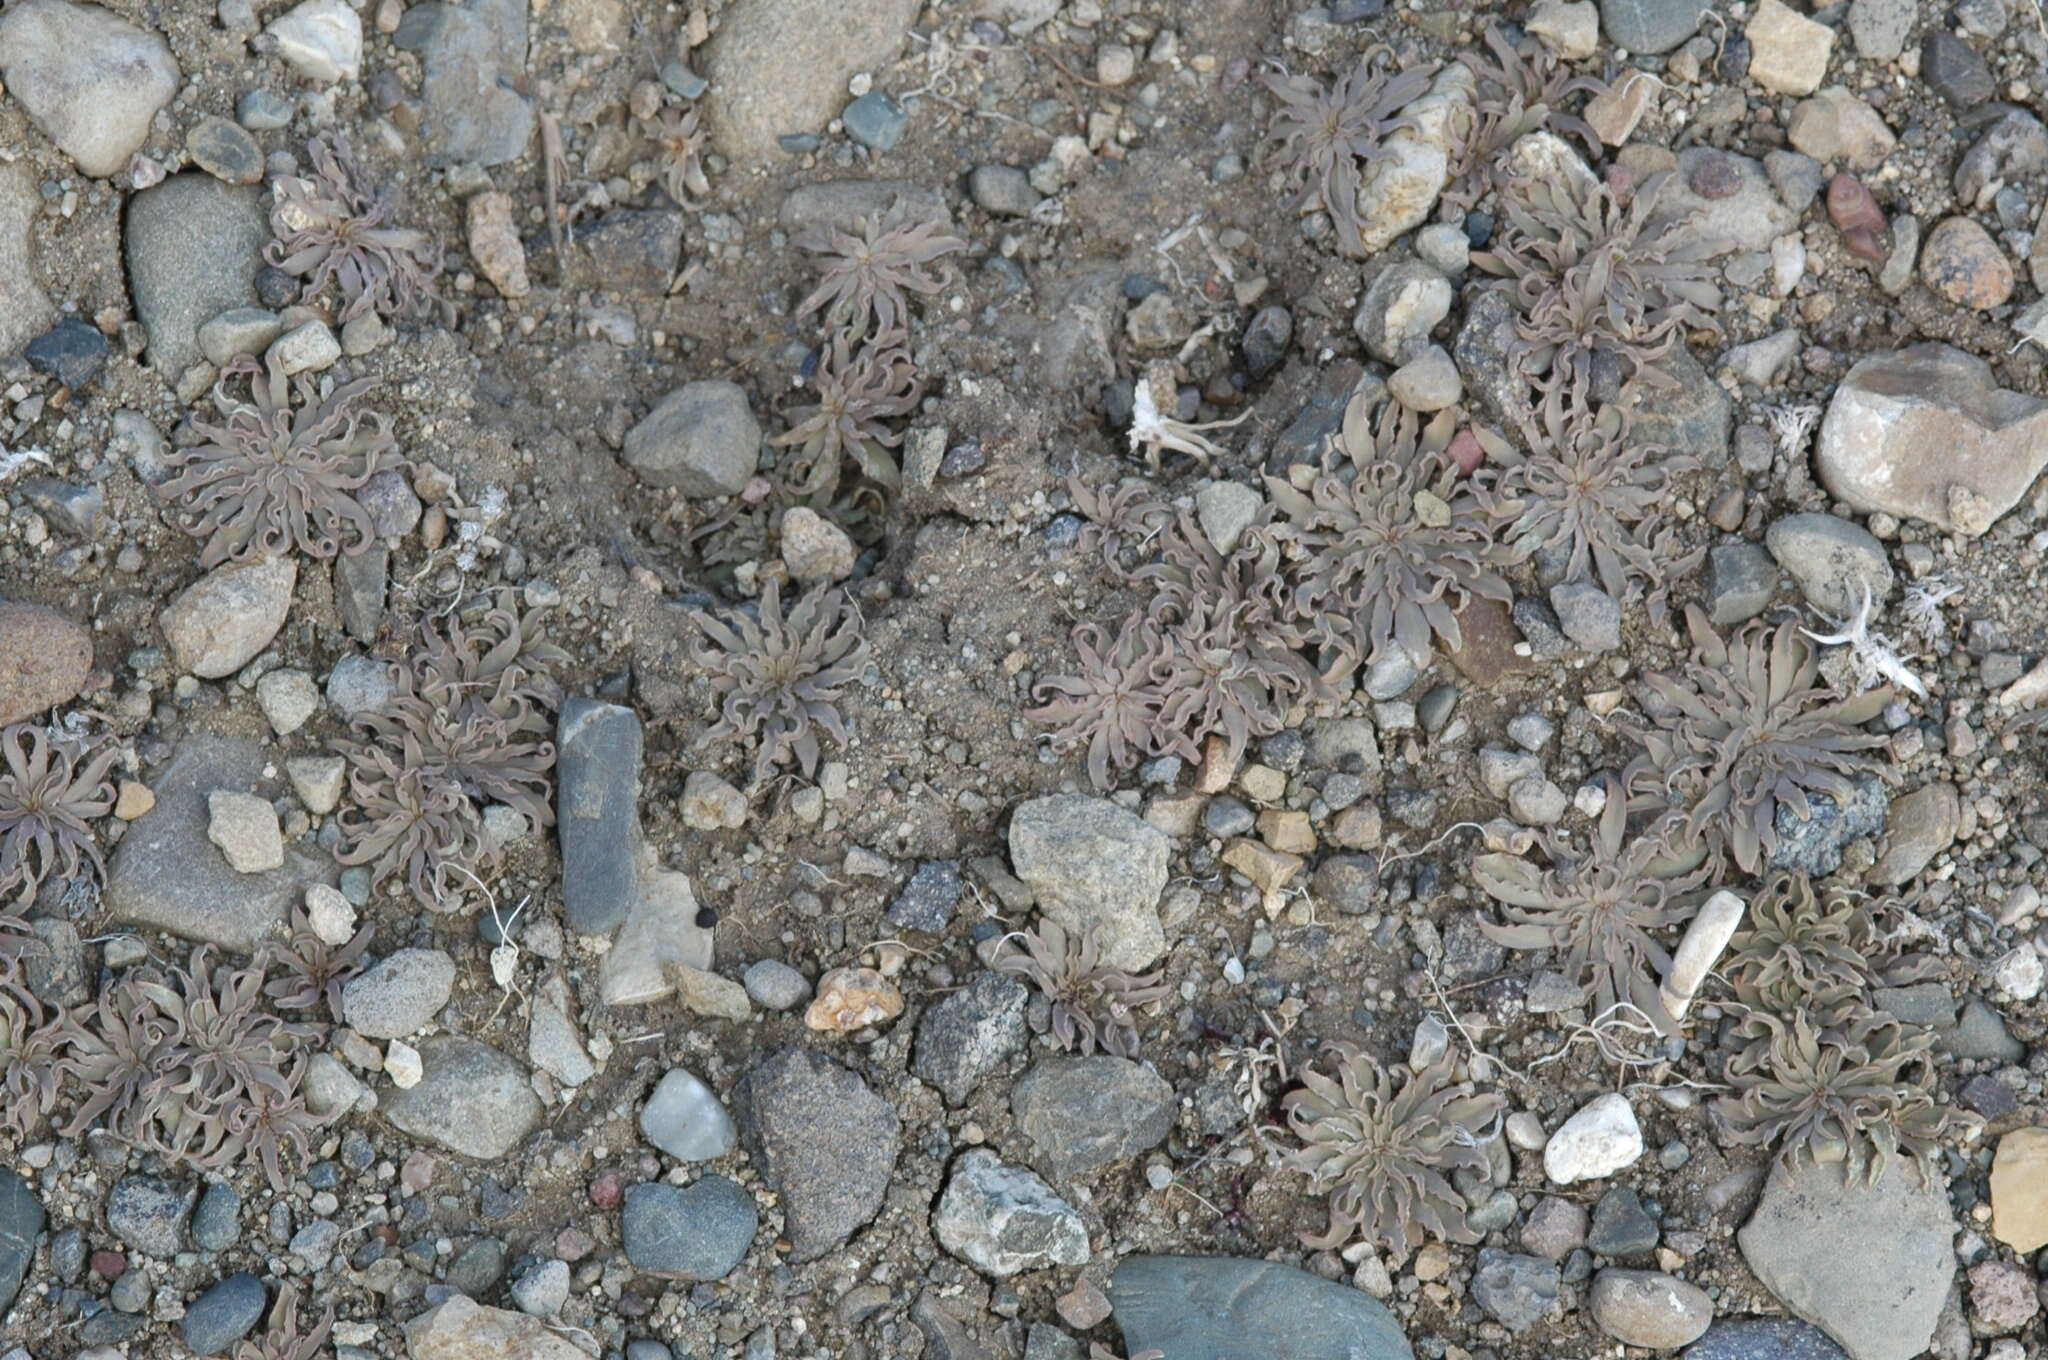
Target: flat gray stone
[(1750, 218), (844, 202), (150, 1214), (166, 874), (1082, 1114), (685, 1119), (91, 80), (400, 996), (598, 754), (1764, 1339), (781, 66), (473, 62), (1870, 1265), (1003, 1220), (224, 1314), (1651, 26), (1225, 1308), (824, 1141), (473, 1099), (1834, 562), (660, 930), (193, 246)]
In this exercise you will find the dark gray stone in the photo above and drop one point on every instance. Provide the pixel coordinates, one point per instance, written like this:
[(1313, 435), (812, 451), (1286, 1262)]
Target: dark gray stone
[(875, 121), (844, 202), (111, 1326), (21, 1223), (225, 151), (1308, 435), (701, 438), (1651, 26), (1953, 69), (478, 1267), (822, 1140), (473, 56), (635, 250), (56, 974), (149, 1214), (1989, 1096), (927, 901), (1814, 844), (695, 1232), (1082, 1114), (1265, 341), (1622, 1229), (217, 1221), (1980, 1032), (193, 246), (598, 757), (1923, 1003), (1741, 578), (472, 1099), (167, 875), (971, 1034), (72, 352), (1481, 351), (1516, 1291), (1764, 1339), (224, 1314), (1224, 1308)]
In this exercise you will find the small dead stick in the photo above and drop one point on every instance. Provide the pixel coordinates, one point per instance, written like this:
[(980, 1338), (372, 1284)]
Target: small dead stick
[(554, 164)]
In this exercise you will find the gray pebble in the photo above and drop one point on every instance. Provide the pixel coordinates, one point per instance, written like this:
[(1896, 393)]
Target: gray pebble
[(875, 121), (775, 986), (1588, 615), (224, 1314), (1003, 190), (694, 1232), (263, 110), (542, 1291), (684, 1118)]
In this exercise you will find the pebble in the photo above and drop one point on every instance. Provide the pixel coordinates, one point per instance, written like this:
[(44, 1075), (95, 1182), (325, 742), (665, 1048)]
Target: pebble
[(238, 331), (401, 995), (775, 986), (316, 781), (1836, 564), (45, 659), (2002, 1297), (1225, 510), (542, 1291), (224, 150), (971, 1034), (473, 62), (1834, 125), (404, 1065), (1516, 1291), (1601, 1139), (1403, 304), (479, 1268), (1555, 1228), (711, 803), (1953, 69), (1266, 337), (246, 830), (814, 549), (263, 111), (1962, 263), (783, 68), (1920, 826), (1589, 616), (684, 1118), (701, 439), (1621, 1228), (1648, 1308), (71, 352), (1003, 1220), (1880, 27), (494, 243), (21, 1223), (1403, 185), (308, 348), (359, 684), (224, 1314), (217, 1220), (1651, 26), (1926, 433), (92, 81), (661, 933), (2019, 1190), (288, 697), (599, 751), (1429, 382), (321, 40), (1115, 64), (193, 246), (1092, 864), (875, 121), (219, 623), (1764, 1339), (1570, 29), (471, 1099), (149, 1215), (1536, 802), (314, 1243), (1003, 190), (2014, 148), (1788, 51), (1083, 1114)]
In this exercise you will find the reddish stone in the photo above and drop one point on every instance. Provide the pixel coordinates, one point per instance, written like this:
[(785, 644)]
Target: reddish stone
[(1487, 654), (606, 1192), (108, 1265)]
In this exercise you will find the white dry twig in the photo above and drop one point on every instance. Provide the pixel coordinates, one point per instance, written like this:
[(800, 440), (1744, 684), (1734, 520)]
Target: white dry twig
[(1153, 433), (1793, 425), (1870, 654)]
